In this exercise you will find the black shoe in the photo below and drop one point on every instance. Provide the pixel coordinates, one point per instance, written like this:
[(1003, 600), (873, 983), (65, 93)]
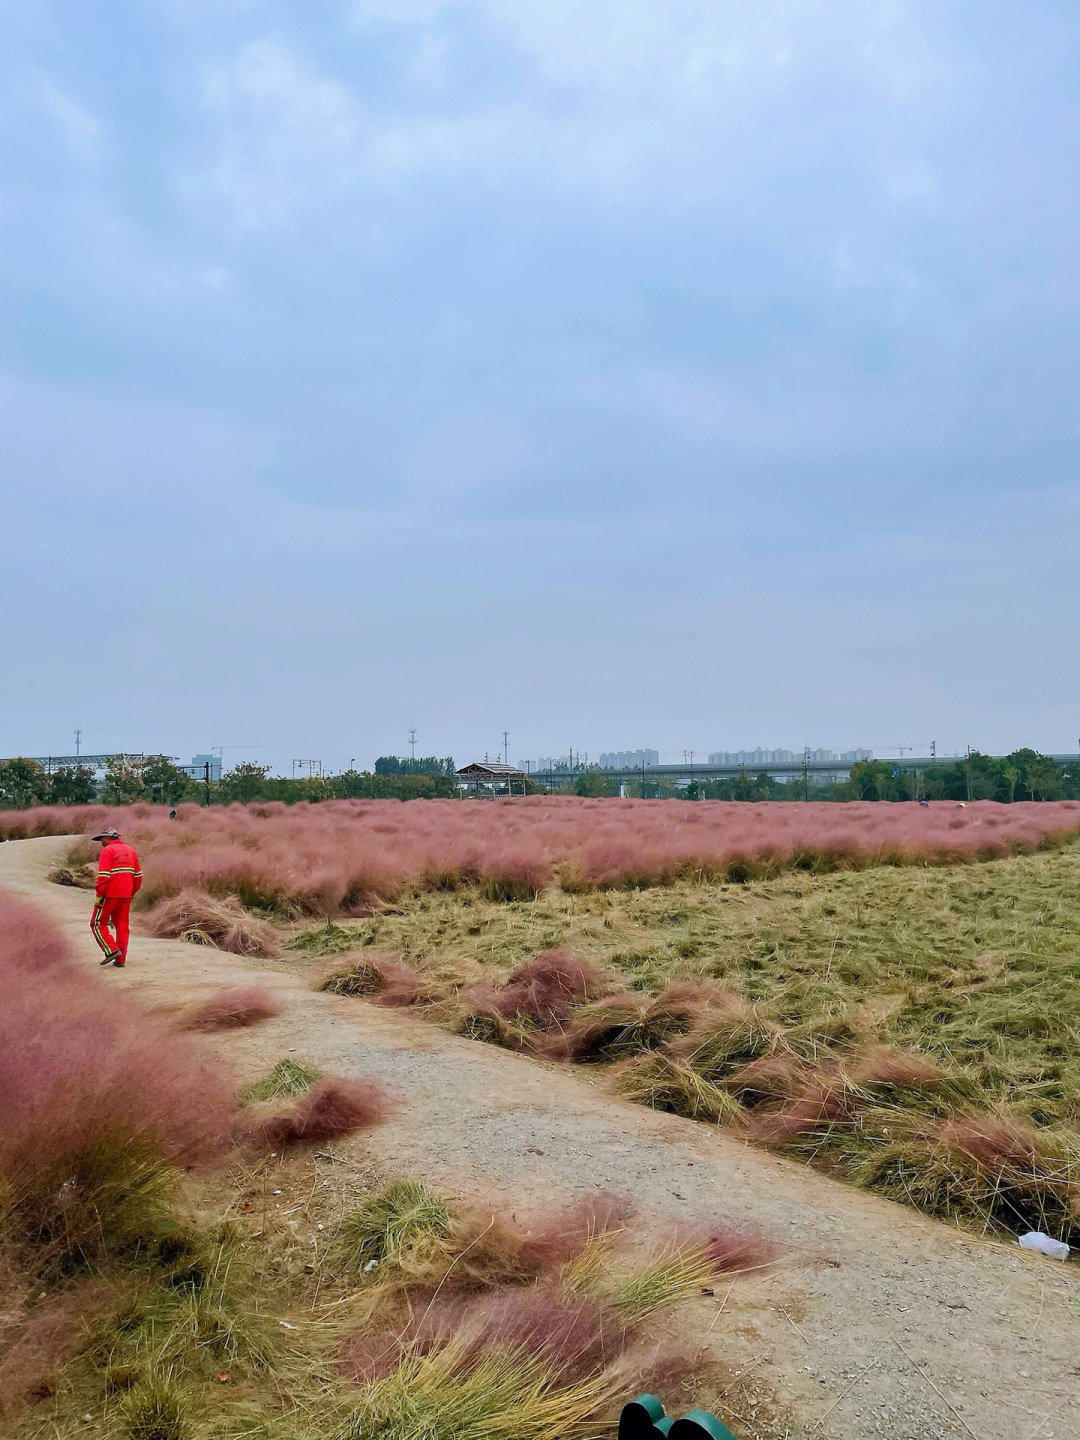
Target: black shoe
[(112, 957)]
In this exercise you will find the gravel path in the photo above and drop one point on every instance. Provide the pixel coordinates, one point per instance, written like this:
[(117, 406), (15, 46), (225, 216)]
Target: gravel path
[(879, 1324)]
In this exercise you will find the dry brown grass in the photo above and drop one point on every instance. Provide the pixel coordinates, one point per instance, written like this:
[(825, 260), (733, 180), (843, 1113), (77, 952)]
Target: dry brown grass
[(205, 919)]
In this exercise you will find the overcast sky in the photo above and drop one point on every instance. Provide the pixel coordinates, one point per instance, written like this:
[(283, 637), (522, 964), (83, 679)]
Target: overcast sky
[(671, 373)]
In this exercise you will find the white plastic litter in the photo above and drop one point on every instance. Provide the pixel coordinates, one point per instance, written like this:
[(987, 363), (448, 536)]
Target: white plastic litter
[(371, 1265), (1036, 1240)]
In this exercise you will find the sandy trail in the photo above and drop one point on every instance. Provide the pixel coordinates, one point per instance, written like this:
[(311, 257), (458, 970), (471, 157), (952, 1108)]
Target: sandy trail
[(880, 1324)]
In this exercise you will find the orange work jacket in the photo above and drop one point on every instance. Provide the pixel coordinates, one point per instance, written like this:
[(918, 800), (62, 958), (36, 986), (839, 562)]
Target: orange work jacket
[(119, 873)]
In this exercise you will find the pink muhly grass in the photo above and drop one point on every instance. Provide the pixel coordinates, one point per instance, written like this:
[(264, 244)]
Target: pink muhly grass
[(996, 1143), (333, 1108), (896, 1069), (345, 855), (551, 1241), (772, 1077), (608, 1030), (574, 1337), (818, 1097), (381, 981), (734, 1251), (544, 990), (402, 986), (827, 1099), (35, 1344), (82, 1065), (668, 1369), (232, 1010)]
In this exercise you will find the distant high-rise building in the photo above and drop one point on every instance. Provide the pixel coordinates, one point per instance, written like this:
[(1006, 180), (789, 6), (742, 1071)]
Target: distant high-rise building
[(197, 769), (629, 759), (762, 759), (750, 758)]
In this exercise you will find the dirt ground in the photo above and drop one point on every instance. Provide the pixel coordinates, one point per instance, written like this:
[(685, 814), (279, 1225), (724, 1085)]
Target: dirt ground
[(878, 1325)]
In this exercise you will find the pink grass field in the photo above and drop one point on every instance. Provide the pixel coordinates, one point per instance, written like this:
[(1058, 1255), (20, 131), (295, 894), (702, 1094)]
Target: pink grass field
[(340, 856), (84, 1067)]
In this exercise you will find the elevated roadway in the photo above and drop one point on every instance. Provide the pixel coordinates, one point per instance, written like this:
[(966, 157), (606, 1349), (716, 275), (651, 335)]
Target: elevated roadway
[(787, 769)]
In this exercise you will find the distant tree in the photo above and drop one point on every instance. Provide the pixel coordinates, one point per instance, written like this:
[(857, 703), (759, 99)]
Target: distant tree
[(407, 765), (72, 785), (123, 781), (163, 781), (1039, 776), (246, 781), (22, 783), (1011, 776), (984, 778), (865, 780), (594, 782)]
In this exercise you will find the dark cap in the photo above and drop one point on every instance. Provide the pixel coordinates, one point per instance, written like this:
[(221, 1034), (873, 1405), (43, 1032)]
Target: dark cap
[(108, 834)]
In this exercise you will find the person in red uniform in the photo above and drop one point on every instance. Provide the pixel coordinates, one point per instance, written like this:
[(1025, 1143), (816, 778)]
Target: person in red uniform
[(118, 880)]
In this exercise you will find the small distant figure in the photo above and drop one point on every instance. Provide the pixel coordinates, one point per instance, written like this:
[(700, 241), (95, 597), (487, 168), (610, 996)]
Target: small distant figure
[(172, 814), (118, 880)]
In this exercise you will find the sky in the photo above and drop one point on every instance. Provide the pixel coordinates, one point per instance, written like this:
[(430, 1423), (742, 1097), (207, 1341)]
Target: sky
[(675, 373)]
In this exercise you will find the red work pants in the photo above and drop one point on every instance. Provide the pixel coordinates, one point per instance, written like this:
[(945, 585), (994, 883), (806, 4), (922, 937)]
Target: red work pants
[(109, 924)]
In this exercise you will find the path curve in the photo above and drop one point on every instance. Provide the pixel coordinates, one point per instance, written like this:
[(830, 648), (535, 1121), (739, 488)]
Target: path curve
[(882, 1324)]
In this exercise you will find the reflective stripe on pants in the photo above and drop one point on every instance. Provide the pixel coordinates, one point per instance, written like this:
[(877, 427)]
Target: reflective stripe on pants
[(109, 924)]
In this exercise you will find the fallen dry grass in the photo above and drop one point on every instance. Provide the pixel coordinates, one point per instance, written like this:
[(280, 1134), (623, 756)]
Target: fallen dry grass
[(850, 1019)]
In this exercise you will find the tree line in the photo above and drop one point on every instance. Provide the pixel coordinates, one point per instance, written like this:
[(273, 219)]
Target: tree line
[(155, 779), (1022, 775)]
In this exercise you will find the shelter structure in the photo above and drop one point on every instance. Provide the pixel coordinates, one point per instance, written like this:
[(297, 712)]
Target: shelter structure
[(491, 775)]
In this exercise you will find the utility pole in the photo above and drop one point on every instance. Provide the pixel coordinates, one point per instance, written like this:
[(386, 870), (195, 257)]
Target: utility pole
[(412, 740), (933, 749), (806, 772), (506, 747), (78, 738)]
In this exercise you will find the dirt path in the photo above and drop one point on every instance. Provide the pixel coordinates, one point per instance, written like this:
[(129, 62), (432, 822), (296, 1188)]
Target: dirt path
[(880, 1324)]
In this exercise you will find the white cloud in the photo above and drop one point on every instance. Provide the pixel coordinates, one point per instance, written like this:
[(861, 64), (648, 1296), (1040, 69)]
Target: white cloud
[(680, 98), (284, 129), (686, 402), (77, 127)]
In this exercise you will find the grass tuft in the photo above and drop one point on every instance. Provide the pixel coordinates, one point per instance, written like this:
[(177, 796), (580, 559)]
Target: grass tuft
[(672, 1085), (678, 1273), (402, 1221), (332, 1108), (156, 1408), (234, 1009), (287, 1078), (205, 919), (506, 1396), (328, 939)]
